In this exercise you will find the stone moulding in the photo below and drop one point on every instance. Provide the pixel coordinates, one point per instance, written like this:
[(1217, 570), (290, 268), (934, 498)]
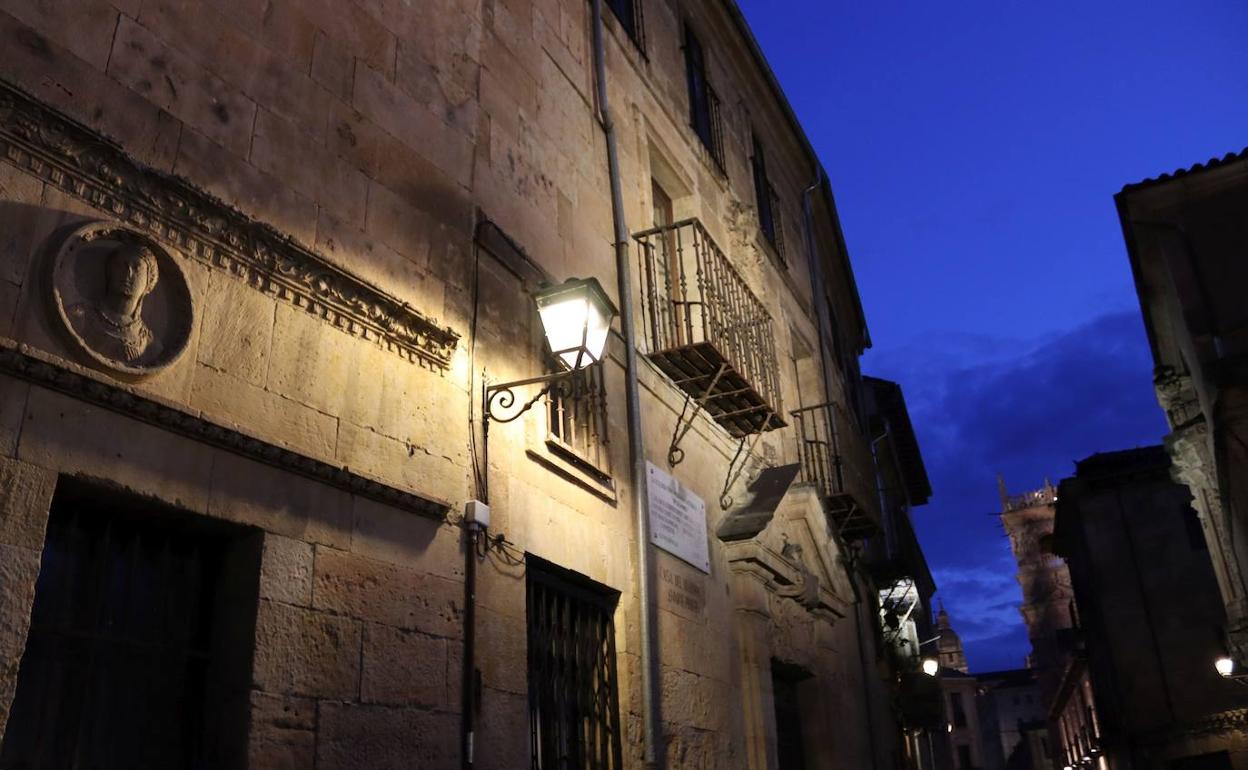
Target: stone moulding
[(93, 169), (24, 363)]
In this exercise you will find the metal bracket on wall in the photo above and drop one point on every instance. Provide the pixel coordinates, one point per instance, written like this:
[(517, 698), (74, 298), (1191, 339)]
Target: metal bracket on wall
[(675, 455), (745, 450)]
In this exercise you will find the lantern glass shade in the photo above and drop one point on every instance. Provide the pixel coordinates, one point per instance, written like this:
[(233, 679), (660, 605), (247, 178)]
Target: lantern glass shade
[(930, 666), (1225, 665), (576, 316)]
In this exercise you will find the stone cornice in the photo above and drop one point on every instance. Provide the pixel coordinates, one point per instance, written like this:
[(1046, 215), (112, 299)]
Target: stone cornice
[(93, 169), (40, 369)]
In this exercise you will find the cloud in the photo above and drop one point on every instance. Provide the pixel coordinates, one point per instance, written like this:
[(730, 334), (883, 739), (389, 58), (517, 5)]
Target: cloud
[(984, 405)]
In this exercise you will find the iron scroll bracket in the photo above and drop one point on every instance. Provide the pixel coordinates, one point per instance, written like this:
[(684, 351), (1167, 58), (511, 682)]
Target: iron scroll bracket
[(676, 455), (741, 459)]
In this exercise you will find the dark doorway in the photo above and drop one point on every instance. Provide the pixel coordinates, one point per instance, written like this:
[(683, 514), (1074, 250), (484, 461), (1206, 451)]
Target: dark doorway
[(790, 747), (139, 652)]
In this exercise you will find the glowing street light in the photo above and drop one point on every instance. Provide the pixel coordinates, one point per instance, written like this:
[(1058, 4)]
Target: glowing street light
[(576, 316)]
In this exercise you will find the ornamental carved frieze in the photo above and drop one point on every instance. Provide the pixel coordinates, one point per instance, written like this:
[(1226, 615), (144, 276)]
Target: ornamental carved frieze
[(172, 213)]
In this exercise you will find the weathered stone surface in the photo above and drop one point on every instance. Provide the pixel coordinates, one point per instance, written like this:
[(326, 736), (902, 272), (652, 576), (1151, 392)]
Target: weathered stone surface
[(20, 193), (505, 718), (84, 27), (384, 593), (240, 184), (42, 66), (401, 537), (174, 82), (314, 365), (403, 668), (286, 151), (25, 494), (304, 652), (385, 738), (502, 651), (286, 570), (228, 400), (19, 569), (283, 733), (65, 434), (277, 501), (236, 328)]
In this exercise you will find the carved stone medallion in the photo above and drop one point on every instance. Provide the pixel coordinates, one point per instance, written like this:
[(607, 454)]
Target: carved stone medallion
[(122, 299)]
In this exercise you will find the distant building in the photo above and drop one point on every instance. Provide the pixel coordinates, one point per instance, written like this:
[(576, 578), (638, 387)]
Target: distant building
[(949, 645), (1043, 578), (1139, 690), (1013, 719), (1187, 236)]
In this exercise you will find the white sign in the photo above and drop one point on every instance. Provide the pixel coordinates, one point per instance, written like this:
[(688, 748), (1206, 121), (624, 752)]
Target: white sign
[(677, 519)]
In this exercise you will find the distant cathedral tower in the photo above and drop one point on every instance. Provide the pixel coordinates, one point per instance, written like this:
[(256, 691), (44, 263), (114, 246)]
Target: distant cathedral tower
[(1047, 596), (949, 648)]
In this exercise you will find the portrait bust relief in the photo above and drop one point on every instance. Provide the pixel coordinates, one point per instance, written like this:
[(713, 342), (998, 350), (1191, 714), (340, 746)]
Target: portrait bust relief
[(122, 299)]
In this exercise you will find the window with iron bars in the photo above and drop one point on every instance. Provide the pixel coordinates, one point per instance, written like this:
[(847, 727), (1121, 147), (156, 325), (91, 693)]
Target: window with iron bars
[(577, 420), (574, 704), (704, 105), (769, 214), (631, 19)]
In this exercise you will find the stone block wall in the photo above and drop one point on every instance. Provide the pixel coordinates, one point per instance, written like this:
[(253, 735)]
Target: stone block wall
[(375, 136)]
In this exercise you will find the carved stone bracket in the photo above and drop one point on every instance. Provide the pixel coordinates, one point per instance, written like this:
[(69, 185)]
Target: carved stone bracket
[(24, 363), (1177, 396), (95, 170), (786, 575)]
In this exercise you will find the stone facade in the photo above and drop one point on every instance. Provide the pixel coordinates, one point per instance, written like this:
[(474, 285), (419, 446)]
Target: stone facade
[(1184, 234), (257, 260), (1139, 689)]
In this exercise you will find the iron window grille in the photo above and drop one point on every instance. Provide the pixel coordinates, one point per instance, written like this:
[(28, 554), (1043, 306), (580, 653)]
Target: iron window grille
[(577, 420), (705, 109), (629, 14), (574, 709), (139, 650), (837, 461), (769, 214)]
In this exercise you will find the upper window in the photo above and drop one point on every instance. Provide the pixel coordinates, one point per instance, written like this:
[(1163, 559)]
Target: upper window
[(574, 701), (768, 202), (629, 14), (704, 113)]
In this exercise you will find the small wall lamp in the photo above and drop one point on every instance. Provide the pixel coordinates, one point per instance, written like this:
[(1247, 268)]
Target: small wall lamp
[(930, 666)]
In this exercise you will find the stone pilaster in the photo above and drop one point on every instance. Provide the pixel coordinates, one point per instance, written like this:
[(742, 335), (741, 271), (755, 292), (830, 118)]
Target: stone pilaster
[(25, 495), (758, 706)]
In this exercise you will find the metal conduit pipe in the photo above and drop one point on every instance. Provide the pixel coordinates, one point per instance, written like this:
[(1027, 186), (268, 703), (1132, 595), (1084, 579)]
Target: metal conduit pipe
[(653, 755)]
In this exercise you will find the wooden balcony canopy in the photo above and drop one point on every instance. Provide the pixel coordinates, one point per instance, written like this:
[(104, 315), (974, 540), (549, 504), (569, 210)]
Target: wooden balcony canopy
[(706, 330)]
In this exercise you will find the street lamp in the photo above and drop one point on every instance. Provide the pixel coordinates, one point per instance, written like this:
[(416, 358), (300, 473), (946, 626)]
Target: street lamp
[(930, 666), (576, 317), (1225, 665)]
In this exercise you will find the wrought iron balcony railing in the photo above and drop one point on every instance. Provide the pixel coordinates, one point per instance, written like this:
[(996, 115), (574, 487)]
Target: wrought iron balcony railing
[(706, 330), (837, 460)]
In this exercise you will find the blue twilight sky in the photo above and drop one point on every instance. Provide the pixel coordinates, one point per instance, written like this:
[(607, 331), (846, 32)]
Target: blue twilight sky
[(974, 148)]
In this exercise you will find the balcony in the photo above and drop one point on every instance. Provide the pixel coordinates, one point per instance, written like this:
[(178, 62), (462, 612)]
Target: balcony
[(706, 330), (837, 460)]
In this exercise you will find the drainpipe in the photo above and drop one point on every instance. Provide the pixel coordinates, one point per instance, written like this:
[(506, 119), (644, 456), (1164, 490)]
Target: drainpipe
[(653, 756)]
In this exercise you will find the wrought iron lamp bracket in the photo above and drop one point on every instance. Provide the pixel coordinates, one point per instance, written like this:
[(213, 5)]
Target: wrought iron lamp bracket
[(498, 400)]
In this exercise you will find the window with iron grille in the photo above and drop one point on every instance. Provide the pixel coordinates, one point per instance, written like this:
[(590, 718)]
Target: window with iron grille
[(704, 107), (769, 220), (139, 650), (578, 421), (630, 16), (574, 708)]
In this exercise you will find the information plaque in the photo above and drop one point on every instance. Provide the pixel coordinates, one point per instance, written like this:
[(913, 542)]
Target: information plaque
[(677, 519)]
